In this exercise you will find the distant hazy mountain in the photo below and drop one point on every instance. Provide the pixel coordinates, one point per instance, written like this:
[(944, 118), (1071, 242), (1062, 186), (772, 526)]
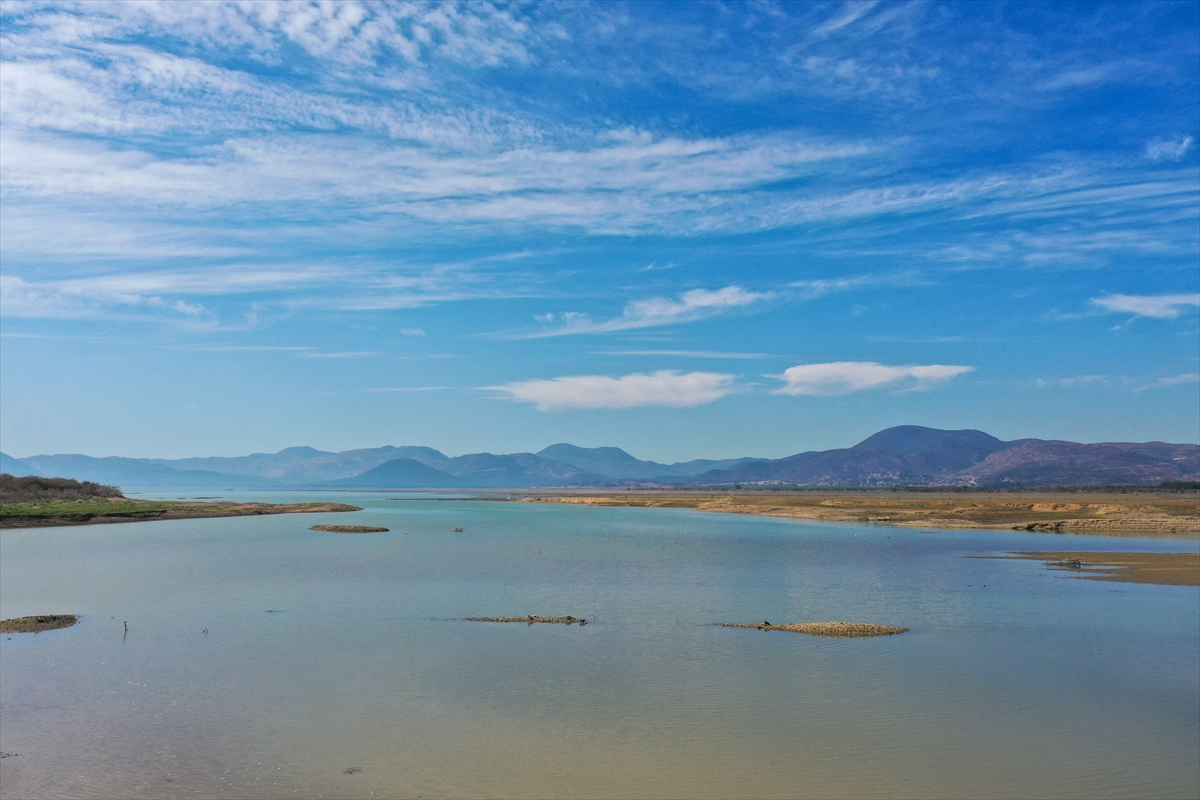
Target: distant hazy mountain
[(519, 469), (134, 473), (907, 454), (926, 456), (400, 473), (1034, 462), (15, 466), (615, 463), (305, 465)]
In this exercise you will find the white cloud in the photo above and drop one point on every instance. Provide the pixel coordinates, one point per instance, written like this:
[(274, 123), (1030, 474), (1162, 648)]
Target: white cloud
[(1160, 306), (812, 289), (668, 387), (1172, 150), (843, 377), (655, 311)]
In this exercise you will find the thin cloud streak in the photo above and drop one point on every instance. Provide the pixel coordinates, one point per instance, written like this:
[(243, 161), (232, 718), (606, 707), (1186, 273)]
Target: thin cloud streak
[(689, 306), (1161, 306), (404, 389), (684, 353)]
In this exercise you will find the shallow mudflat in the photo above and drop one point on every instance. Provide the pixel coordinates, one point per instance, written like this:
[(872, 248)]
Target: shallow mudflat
[(37, 624), (1133, 514), (121, 509), (531, 619), (348, 529), (1169, 569), (840, 630)]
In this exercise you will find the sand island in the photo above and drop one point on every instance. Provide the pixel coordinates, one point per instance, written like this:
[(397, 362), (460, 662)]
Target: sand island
[(348, 529), (37, 624), (532, 618), (838, 630)]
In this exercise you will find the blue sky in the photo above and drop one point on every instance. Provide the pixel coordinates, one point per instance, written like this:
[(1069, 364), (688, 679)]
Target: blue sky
[(684, 229)]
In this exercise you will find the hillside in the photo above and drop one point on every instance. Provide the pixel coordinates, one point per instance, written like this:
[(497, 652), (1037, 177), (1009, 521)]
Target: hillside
[(905, 455)]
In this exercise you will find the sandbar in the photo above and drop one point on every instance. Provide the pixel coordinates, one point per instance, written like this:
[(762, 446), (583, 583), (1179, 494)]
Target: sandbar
[(348, 529), (530, 620), (1165, 569), (839, 630), (42, 622)]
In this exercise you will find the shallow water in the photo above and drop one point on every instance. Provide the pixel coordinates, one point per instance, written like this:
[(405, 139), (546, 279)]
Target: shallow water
[(339, 666)]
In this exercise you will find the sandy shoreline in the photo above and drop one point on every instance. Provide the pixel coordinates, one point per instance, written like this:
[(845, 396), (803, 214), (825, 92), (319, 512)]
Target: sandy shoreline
[(1149, 514), (1164, 569), (127, 510)]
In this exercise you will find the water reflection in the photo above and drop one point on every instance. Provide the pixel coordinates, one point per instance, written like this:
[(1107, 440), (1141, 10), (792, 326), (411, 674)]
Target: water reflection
[(340, 665)]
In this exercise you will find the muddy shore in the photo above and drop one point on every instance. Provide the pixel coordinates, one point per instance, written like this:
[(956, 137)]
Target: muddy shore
[(1149, 514), (1164, 569)]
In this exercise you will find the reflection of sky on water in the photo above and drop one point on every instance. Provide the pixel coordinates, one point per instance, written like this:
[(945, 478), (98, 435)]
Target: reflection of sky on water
[(1036, 684)]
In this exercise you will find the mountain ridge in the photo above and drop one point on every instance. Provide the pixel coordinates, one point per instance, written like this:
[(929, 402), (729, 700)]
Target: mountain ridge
[(897, 456)]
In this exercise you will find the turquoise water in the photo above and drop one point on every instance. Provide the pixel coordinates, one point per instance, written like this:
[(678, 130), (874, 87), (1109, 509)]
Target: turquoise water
[(340, 666)]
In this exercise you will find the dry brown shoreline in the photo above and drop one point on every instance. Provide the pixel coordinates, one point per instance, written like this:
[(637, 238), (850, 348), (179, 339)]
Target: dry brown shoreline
[(151, 510), (1163, 569), (1149, 514)]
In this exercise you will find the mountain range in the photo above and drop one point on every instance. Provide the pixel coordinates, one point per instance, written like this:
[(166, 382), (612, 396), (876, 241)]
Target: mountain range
[(904, 455)]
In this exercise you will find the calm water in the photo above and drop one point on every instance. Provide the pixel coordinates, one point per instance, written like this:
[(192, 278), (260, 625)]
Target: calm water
[(339, 666)]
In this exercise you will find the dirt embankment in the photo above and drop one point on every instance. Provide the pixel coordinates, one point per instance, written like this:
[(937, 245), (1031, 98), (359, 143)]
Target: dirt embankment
[(1112, 515), (106, 510)]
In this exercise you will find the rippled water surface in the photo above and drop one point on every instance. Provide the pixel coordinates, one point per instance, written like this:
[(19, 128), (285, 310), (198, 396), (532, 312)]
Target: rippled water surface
[(340, 666)]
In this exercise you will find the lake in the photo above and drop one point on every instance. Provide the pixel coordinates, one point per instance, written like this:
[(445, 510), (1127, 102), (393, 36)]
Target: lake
[(340, 665)]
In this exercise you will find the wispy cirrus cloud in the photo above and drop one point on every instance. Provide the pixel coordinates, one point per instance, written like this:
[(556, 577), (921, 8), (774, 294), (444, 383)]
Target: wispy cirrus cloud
[(1172, 380), (669, 388), (844, 377), (812, 289), (1168, 149), (1158, 306), (688, 306), (684, 353)]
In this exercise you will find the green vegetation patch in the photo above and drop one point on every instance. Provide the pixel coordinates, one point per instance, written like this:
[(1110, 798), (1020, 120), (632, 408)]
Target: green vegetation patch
[(83, 508), (32, 489)]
